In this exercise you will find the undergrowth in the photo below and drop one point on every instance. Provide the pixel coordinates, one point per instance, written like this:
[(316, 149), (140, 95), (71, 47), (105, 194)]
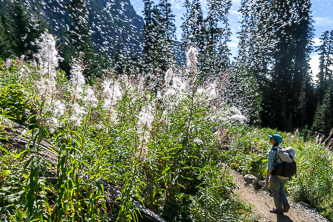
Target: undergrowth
[(312, 183), (156, 139)]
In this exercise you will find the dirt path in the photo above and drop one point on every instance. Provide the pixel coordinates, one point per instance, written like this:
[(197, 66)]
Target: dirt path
[(261, 198)]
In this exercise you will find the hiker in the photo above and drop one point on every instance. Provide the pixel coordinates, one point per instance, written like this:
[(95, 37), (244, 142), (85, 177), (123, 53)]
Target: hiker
[(276, 182)]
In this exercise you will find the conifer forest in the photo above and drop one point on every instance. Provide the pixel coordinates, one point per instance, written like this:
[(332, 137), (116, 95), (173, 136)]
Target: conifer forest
[(110, 114)]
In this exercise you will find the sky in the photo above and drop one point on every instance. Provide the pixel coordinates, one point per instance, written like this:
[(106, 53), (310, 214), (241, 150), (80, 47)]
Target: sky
[(322, 14)]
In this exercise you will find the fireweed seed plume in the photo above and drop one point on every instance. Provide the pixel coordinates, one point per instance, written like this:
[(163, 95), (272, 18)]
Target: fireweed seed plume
[(239, 118), (168, 77), (47, 55), (145, 120), (48, 62), (77, 114), (77, 80), (75, 86), (90, 97), (112, 92), (192, 58), (235, 110)]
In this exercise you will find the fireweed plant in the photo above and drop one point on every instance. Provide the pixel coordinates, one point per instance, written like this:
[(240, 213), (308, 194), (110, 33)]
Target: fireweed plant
[(156, 139)]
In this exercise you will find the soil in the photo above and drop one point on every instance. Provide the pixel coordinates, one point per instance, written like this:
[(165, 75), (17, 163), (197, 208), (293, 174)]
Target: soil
[(263, 201)]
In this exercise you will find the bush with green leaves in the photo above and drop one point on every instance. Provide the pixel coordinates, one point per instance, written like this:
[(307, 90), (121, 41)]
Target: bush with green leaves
[(311, 184), (16, 102), (157, 139)]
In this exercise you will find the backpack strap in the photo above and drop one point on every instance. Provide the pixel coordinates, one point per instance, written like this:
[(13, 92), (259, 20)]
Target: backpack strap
[(276, 155), (290, 155)]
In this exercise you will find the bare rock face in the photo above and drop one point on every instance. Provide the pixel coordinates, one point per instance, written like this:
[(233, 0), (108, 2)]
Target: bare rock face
[(250, 178)]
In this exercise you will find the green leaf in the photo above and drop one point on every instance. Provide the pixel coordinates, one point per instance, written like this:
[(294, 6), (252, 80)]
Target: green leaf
[(19, 155)]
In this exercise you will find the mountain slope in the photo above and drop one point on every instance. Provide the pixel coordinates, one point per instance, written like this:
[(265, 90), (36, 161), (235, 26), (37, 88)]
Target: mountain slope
[(114, 22)]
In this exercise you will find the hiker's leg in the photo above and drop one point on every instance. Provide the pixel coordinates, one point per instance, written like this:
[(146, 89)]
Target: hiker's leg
[(283, 195), (275, 185)]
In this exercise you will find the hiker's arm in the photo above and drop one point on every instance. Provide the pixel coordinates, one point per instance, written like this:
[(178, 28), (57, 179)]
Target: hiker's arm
[(270, 162), (268, 174)]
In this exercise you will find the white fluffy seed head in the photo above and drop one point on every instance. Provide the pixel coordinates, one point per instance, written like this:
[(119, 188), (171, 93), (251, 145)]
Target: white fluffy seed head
[(90, 97), (47, 55), (240, 118), (77, 80), (192, 57), (235, 110), (168, 76)]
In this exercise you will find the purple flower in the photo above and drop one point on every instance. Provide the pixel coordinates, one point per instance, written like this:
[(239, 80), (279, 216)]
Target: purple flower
[(158, 69), (331, 138), (322, 156)]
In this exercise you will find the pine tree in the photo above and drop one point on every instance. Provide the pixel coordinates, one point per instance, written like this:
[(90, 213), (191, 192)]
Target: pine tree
[(186, 25), (196, 28), (167, 35), (216, 60), (159, 35), (5, 46), (24, 27), (150, 35), (303, 34), (325, 50), (129, 64), (274, 52), (323, 120), (78, 36), (8, 31), (23, 35), (248, 77)]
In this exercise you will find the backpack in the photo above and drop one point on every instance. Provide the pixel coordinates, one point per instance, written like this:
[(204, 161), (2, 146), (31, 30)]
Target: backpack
[(285, 164)]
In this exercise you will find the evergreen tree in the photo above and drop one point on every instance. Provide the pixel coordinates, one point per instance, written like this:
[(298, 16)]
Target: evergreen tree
[(323, 120), (150, 35), (167, 35), (8, 30), (274, 51), (23, 34), (37, 21), (159, 35), (78, 37), (217, 53), (129, 64), (325, 50), (248, 77), (303, 35), (186, 25), (196, 28), (5, 46)]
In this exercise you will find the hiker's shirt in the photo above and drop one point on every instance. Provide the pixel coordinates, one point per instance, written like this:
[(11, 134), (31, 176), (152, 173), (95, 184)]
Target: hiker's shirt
[(271, 161)]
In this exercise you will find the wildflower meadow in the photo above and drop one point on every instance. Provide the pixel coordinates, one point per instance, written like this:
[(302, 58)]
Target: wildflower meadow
[(167, 143), (156, 139)]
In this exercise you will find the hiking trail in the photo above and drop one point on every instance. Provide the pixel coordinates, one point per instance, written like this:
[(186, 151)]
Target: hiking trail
[(262, 202)]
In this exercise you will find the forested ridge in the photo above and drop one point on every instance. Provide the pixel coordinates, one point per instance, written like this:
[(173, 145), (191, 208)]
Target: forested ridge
[(122, 103)]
